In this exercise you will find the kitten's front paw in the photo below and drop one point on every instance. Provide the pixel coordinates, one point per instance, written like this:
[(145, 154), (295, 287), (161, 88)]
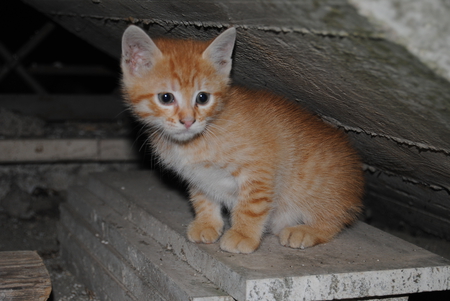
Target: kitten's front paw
[(235, 242), (202, 232), (300, 237)]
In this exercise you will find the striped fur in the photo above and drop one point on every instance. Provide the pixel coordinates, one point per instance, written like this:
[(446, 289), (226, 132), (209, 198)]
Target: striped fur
[(276, 167)]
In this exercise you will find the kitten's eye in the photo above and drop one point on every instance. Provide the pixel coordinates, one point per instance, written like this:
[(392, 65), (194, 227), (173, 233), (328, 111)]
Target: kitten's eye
[(202, 98), (166, 98)]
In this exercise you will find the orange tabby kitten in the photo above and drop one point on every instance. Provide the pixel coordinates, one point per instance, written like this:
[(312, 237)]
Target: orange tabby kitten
[(275, 166)]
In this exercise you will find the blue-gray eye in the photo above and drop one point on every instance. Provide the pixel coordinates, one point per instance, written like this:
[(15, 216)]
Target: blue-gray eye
[(202, 98), (166, 98)]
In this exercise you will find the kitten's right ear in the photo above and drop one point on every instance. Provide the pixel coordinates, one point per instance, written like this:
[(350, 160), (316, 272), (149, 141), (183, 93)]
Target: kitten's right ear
[(139, 52), (220, 51)]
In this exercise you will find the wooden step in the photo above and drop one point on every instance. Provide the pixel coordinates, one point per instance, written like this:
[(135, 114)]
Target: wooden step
[(23, 276), (362, 262), (144, 267), (103, 276)]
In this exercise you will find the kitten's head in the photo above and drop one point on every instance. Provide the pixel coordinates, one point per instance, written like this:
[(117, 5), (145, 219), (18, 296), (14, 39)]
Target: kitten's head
[(176, 86)]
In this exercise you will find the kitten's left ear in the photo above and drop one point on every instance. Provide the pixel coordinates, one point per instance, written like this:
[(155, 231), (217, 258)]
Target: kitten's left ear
[(220, 51), (139, 52)]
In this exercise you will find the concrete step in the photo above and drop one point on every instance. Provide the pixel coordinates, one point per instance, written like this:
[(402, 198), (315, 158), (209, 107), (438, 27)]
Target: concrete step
[(362, 262), (143, 266)]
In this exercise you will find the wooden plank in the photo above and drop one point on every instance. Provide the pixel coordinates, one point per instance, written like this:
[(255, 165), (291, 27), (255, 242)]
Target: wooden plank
[(67, 150), (401, 204), (23, 276), (92, 272), (129, 253), (361, 262)]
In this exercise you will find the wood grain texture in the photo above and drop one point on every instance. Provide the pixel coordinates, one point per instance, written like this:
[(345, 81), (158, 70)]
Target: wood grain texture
[(23, 276)]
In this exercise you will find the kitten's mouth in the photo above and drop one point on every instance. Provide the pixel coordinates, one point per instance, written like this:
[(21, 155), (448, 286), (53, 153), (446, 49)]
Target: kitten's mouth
[(184, 134)]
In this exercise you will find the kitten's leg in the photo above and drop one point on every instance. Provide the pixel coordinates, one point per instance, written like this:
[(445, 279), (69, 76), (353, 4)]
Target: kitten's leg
[(321, 229), (304, 236), (249, 217), (208, 223)]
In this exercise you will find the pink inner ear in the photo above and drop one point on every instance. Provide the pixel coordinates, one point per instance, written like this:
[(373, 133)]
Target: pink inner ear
[(220, 51), (139, 51), (136, 59)]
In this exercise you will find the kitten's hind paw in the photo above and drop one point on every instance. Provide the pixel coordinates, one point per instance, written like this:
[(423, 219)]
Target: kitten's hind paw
[(301, 237), (234, 242), (202, 233)]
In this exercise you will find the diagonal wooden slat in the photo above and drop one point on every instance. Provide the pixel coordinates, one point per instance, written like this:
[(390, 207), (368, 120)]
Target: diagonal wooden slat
[(13, 60)]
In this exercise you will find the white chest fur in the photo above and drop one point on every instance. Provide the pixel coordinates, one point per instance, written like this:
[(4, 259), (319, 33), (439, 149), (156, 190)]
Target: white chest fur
[(215, 181)]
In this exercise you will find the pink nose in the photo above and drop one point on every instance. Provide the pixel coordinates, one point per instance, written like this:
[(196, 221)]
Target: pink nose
[(187, 122)]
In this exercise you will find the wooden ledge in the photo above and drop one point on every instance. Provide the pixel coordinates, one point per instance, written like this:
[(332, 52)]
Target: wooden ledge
[(23, 276)]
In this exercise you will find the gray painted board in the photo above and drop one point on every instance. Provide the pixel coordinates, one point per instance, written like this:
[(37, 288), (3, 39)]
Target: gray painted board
[(361, 262)]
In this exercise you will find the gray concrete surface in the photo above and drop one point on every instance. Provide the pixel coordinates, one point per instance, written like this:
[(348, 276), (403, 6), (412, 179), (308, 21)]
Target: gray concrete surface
[(361, 262)]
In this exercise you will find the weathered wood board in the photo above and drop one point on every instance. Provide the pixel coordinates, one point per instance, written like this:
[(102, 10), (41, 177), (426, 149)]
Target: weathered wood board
[(135, 225), (23, 276), (326, 57)]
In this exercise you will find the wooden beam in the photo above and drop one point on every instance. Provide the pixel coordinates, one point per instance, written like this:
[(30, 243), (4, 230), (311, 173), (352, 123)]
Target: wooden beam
[(67, 150)]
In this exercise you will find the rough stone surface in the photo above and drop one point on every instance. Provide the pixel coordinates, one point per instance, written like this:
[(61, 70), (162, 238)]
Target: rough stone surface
[(361, 262)]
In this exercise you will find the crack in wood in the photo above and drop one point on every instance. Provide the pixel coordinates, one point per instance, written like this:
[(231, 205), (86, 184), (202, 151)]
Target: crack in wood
[(373, 170), (421, 147), (218, 25)]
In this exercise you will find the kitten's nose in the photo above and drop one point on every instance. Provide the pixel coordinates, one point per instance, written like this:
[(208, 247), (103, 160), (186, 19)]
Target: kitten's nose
[(188, 121)]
